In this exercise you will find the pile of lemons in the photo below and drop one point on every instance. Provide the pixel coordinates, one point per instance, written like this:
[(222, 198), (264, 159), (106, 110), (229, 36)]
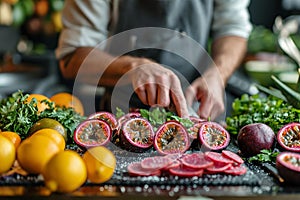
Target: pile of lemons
[(44, 152)]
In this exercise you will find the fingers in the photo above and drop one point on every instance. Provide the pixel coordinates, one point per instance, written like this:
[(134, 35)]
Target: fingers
[(178, 98), (190, 95)]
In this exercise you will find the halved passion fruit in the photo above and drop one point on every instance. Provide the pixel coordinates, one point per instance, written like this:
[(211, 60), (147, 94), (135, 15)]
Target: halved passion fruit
[(171, 137), (105, 116), (288, 137), (92, 132), (136, 134), (213, 136), (288, 166), (127, 116)]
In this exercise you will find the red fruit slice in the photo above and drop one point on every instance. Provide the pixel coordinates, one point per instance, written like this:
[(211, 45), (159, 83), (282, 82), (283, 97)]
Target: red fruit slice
[(185, 172), (236, 170), (289, 137), (213, 136), (218, 168), (92, 132), (217, 158), (196, 161), (136, 169), (171, 138), (173, 164), (156, 162), (233, 156), (105, 116)]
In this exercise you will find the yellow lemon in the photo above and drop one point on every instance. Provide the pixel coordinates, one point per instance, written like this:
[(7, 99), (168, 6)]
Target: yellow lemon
[(13, 137), (34, 152), (53, 134), (65, 172), (7, 154), (101, 164)]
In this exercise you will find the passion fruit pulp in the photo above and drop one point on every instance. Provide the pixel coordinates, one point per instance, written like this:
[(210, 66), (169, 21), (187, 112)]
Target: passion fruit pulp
[(213, 136), (92, 132), (288, 166), (171, 138), (105, 116), (136, 135), (288, 137)]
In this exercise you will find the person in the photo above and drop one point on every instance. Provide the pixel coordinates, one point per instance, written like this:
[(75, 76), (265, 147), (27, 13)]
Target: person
[(221, 27)]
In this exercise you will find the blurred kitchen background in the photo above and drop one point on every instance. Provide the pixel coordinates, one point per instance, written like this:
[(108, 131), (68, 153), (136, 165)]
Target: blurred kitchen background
[(29, 31)]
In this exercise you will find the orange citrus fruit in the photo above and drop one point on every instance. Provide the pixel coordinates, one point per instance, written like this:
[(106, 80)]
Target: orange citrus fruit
[(49, 123), (100, 163), (7, 154), (68, 100), (13, 137), (65, 172), (41, 7), (53, 134), (41, 106), (34, 152)]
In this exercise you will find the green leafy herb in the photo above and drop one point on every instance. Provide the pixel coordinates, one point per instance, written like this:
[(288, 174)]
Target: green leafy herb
[(66, 116), (270, 110), (119, 112), (265, 156), (18, 116), (158, 116)]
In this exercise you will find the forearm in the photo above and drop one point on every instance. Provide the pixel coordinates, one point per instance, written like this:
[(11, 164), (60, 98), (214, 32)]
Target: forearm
[(95, 66), (228, 53)]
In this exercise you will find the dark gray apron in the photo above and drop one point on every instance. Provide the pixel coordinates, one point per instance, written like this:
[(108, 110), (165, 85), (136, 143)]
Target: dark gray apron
[(190, 18)]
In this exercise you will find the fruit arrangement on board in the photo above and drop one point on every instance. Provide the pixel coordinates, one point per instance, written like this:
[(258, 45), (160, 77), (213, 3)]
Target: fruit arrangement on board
[(48, 136), (36, 138)]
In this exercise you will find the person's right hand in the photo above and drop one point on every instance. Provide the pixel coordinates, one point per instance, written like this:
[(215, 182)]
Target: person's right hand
[(157, 85)]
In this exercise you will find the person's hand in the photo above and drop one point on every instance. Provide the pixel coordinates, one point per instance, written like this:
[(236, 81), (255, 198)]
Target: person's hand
[(209, 91), (157, 85)]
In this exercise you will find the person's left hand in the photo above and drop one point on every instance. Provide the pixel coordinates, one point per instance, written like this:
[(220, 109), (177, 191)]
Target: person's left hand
[(209, 91)]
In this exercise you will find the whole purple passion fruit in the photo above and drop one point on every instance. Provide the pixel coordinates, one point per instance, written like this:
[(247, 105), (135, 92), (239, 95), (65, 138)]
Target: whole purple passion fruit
[(92, 132), (288, 137), (136, 135), (253, 138), (213, 136), (288, 166), (171, 137)]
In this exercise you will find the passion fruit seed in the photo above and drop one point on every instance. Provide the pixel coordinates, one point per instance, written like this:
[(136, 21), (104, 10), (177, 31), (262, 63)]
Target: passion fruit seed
[(136, 135), (291, 136), (288, 166), (105, 116), (139, 132), (171, 137), (214, 136), (92, 133)]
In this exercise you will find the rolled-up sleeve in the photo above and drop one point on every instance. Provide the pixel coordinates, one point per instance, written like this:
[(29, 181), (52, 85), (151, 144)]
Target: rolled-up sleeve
[(85, 24), (231, 17)]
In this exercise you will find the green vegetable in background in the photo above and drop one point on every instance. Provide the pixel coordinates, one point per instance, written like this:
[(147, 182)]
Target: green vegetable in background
[(262, 39), (270, 110)]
